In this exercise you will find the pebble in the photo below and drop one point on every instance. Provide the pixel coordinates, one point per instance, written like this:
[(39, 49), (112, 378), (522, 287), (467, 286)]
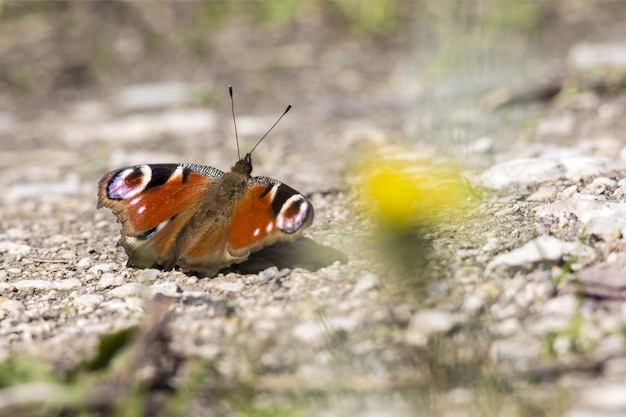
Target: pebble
[(165, 288), (520, 172), (605, 396), (39, 284), (611, 346), (316, 333), (84, 263), (565, 305), (13, 249), (132, 289), (367, 282), (473, 303), (544, 325), (561, 125), (603, 282), (585, 208), (515, 348), (12, 306), (615, 366), (598, 59), (609, 228), (527, 171), (98, 269), (268, 274), (88, 300), (542, 248), (426, 323), (109, 279), (505, 328), (150, 275), (235, 286)]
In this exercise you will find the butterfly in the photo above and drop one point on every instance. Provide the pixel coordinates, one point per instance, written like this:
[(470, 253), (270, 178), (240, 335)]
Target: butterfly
[(199, 218)]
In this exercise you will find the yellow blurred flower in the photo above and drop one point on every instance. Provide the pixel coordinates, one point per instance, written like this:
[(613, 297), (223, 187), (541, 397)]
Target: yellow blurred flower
[(405, 191)]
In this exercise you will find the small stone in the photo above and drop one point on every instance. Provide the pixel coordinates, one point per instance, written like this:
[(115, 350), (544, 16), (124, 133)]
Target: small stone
[(310, 333), (68, 255), (236, 286), (514, 349), (40, 284), (84, 263), (315, 333), (543, 248), (564, 305), (544, 325), (165, 288), (521, 172), (98, 269), (561, 126), (150, 275), (585, 166), (88, 300), (542, 194), (426, 323), (135, 303), (608, 228), (12, 307), (14, 248), (601, 58), (67, 284), (605, 396), (615, 366), (32, 284), (473, 303), (110, 280), (505, 328), (132, 289), (603, 282), (367, 282), (612, 345), (268, 274)]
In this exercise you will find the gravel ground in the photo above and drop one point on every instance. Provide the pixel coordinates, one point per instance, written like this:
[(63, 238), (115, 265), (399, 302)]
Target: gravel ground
[(515, 307)]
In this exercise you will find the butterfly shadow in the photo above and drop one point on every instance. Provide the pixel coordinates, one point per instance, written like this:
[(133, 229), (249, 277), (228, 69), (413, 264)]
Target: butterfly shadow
[(302, 253)]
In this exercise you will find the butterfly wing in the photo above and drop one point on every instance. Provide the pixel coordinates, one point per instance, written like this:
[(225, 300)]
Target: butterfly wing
[(270, 211), (154, 203), (263, 212)]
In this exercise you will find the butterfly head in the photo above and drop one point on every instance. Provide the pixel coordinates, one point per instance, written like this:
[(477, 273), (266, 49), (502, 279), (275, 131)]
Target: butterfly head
[(244, 165)]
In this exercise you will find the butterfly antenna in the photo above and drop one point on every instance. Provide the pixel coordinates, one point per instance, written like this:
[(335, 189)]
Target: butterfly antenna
[(271, 128), (232, 108)]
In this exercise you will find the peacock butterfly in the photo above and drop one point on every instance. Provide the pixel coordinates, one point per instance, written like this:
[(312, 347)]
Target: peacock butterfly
[(199, 218)]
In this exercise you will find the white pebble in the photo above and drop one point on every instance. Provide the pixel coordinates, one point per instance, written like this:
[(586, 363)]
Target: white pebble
[(110, 280)]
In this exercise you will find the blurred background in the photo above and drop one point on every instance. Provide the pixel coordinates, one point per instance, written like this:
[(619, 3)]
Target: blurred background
[(94, 78)]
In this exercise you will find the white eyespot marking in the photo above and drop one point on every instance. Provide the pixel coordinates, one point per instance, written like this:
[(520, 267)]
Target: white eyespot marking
[(269, 228), (141, 209), (292, 214), (129, 182), (135, 201), (256, 232)]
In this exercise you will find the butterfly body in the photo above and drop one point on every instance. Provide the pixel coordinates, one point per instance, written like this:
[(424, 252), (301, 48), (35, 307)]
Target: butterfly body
[(198, 217)]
